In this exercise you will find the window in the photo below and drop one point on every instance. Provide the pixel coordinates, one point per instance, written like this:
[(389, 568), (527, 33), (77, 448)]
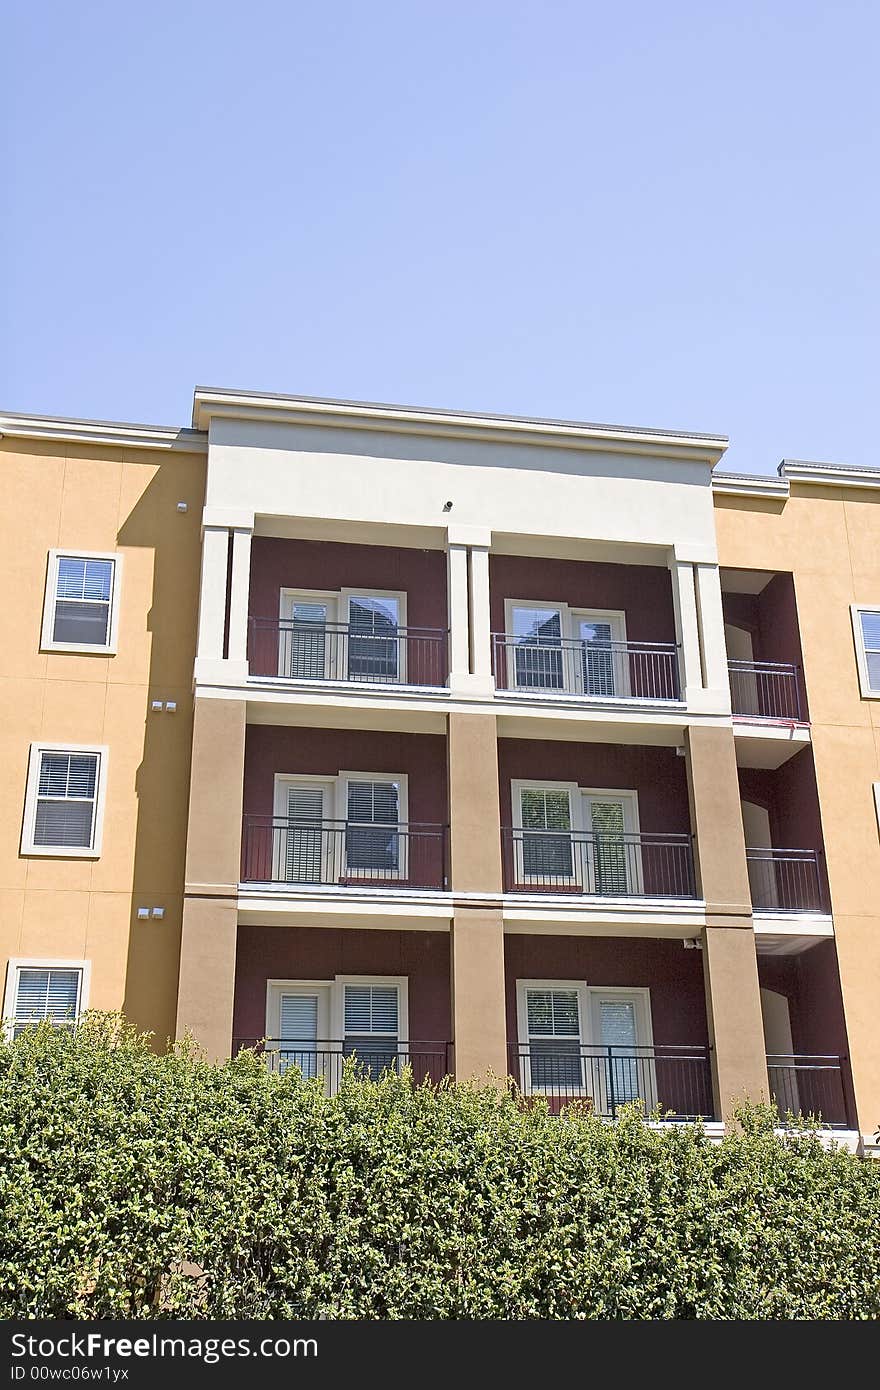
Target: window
[(82, 600), (552, 1017), (866, 629), (588, 838), (554, 647), (342, 635), (333, 828), (366, 1014), (64, 803), (37, 990), (582, 1040)]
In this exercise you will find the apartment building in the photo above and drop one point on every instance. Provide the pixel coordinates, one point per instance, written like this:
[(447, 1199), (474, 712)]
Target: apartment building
[(481, 743)]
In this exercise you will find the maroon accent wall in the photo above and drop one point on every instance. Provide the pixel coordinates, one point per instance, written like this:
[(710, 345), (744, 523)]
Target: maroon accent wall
[(292, 564), (321, 953), (790, 795), (673, 975), (771, 618), (657, 774), (810, 982), (325, 752), (643, 592)]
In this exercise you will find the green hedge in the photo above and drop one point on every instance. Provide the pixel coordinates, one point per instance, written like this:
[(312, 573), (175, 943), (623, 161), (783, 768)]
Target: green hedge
[(140, 1185)]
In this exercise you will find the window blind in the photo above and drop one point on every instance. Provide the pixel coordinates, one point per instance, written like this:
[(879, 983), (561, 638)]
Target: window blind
[(66, 795), (46, 993), (83, 597), (870, 623)]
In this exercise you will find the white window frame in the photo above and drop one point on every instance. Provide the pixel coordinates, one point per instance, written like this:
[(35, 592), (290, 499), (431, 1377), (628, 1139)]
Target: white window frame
[(877, 804), (868, 691), (641, 996), (523, 989), (18, 963), (47, 642), (31, 798), (631, 826), (569, 622), (287, 597), (333, 855), (575, 804), (334, 1005)]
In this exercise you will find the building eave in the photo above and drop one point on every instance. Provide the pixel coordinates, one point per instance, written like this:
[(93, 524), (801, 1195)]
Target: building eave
[(211, 403), (749, 485), (829, 474), (113, 433)]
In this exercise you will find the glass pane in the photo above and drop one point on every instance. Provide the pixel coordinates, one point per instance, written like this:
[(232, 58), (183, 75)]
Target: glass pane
[(597, 658), (373, 1055), (64, 824), (607, 821), (538, 658), (873, 660), (299, 1033), (617, 1028), (871, 630), (303, 839), (556, 1066), (84, 579), (48, 993), (373, 641), (68, 774), (304, 646), (84, 624)]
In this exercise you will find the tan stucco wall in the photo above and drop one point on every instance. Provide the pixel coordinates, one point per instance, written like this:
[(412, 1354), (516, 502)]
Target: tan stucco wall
[(829, 539), (479, 1024), (102, 498), (716, 817), (475, 818), (733, 1008)]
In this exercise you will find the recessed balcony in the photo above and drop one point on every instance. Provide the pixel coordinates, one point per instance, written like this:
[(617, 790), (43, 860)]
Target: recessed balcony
[(588, 668), (373, 652), (343, 854), (618, 865), (766, 690), (785, 880)]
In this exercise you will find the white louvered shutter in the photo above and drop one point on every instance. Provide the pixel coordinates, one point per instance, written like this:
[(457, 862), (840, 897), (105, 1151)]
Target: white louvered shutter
[(608, 824), (871, 640), (304, 833), (304, 645), (67, 789), (83, 597), (50, 992), (372, 1026), (598, 658), (298, 1023), (372, 835)]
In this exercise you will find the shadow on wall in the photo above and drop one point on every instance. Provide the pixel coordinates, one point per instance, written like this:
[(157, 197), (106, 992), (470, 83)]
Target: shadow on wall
[(162, 778)]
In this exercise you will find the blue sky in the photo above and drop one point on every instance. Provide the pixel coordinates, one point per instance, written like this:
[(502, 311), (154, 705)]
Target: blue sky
[(641, 213)]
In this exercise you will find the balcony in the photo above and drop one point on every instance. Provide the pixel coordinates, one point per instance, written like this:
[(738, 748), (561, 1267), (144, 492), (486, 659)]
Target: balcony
[(343, 853), (596, 669), (801, 1084), (785, 880), (676, 1079), (297, 649), (605, 865), (429, 1061), (765, 690)]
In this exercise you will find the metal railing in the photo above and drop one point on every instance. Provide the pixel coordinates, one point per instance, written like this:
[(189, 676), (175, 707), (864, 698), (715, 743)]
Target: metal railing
[(765, 690), (785, 880), (276, 849), (678, 1079), (593, 670), (304, 651), (632, 866), (326, 1058), (802, 1084)]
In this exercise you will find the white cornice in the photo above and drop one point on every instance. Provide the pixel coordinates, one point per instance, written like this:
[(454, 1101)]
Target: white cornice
[(107, 432), (212, 403), (749, 485), (829, 474)]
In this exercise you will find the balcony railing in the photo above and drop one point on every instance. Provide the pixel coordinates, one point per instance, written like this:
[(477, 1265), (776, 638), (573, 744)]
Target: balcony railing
[(801, 1084), (303, 651), (785, 880), (592, 670), (677, 1079), (765, 690), (625, 866), (373, 1057), (343, 853)]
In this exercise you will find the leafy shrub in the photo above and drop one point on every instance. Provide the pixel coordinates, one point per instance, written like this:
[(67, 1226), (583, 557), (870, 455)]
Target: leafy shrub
[(138, 1185)]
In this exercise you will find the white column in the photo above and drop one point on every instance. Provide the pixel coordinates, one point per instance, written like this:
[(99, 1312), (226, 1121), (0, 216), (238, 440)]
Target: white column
[(469, 622), (457, 592), (212, 597), (238, 603), (711, 618), (684, 601)]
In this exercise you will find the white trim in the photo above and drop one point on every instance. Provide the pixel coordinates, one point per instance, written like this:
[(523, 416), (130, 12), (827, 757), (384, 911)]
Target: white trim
[(274, 991), (17, 963), (640, 995), (629, 799), (54, 427), (575, 815), (524, 1039), (50, 602), (333, 854), (869, 692), (749, 485), (398, 982), (877, 803), (31, 798)]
